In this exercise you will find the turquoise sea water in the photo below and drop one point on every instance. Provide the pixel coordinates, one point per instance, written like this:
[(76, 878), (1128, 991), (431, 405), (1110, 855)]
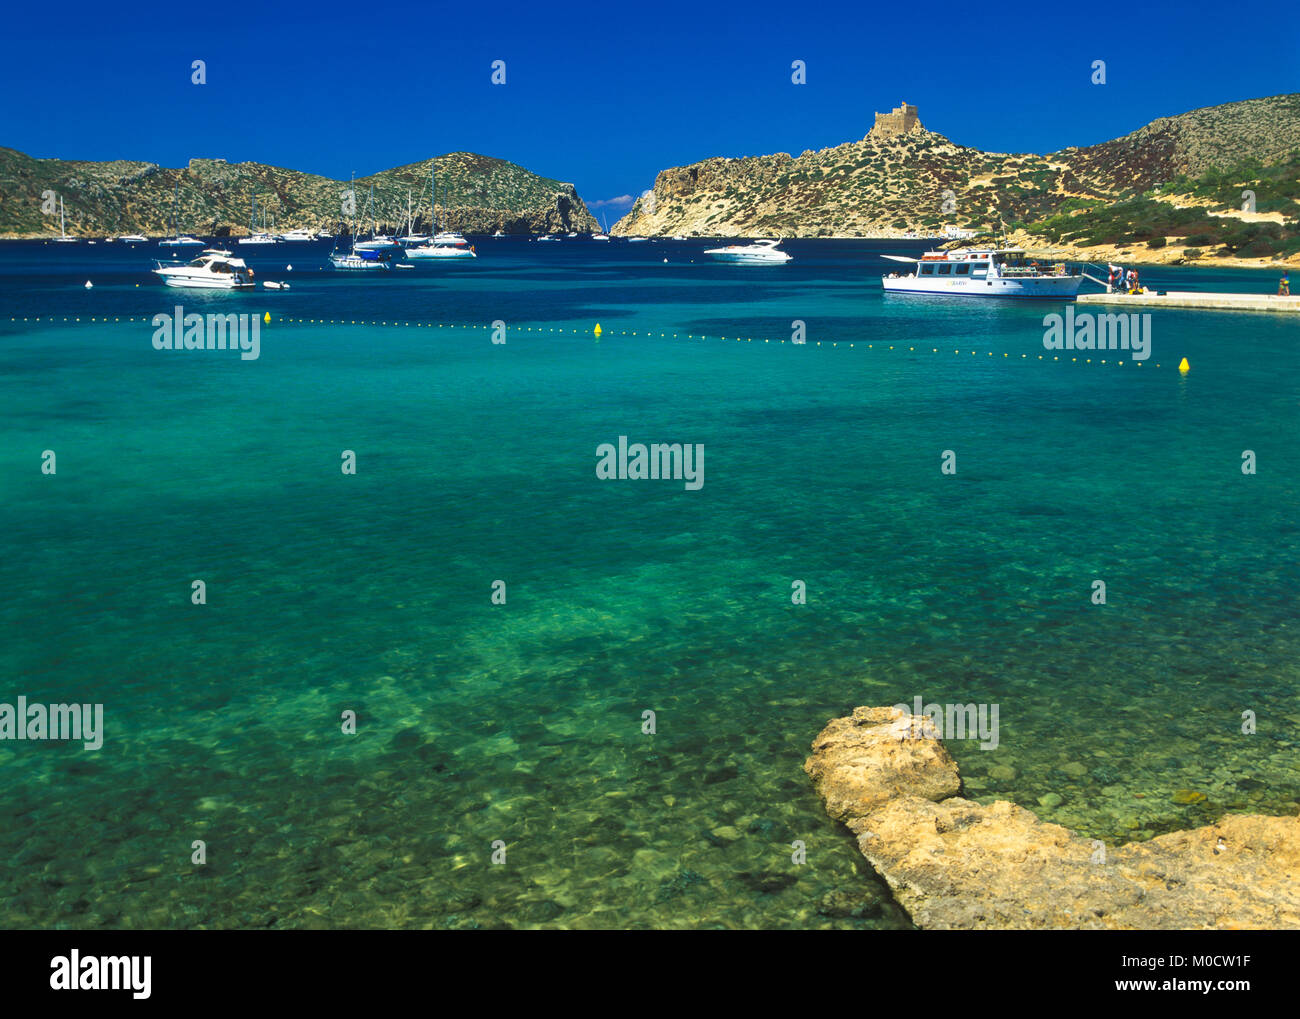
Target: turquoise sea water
[(523, 722)]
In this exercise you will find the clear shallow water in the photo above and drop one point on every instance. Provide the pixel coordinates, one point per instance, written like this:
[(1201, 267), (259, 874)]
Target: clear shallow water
[(522, 722)]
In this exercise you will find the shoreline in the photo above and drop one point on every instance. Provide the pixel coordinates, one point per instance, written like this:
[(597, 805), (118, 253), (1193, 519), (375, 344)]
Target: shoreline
[(953, 863)]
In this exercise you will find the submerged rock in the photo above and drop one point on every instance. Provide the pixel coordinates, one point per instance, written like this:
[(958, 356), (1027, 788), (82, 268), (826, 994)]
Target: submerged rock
[(953, 863)]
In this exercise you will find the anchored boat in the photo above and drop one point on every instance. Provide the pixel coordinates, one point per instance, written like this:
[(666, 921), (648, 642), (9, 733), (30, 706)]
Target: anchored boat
[(982, 272), (765, 252), (212, 270)]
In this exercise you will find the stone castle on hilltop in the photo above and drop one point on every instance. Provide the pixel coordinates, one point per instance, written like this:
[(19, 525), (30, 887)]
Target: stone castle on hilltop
[(900, 120)]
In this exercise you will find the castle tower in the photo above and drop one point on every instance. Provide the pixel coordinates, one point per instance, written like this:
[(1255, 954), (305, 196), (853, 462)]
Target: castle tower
[(899, 121)]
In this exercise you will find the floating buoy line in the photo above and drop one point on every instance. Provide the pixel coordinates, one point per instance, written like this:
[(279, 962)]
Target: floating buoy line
[(599, 331)]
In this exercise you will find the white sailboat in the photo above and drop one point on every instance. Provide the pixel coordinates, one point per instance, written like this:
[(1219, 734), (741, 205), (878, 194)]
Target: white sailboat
[(411, 237), (63, 237), (256, 236), (177, 239), (376, 241), (444, 244), (360, 257)]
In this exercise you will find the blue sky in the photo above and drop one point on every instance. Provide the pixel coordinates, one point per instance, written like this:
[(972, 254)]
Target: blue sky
[(606, 95)]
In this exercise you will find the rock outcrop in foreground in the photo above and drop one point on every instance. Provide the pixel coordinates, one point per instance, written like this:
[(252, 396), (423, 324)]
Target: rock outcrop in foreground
[(955, 864)]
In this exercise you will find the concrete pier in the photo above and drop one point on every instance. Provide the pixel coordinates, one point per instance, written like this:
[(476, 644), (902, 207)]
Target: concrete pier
[(1192, 299)]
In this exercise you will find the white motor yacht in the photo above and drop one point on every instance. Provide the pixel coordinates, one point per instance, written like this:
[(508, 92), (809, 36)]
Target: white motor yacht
[(212, 270), (183, 241), (258, 238), (297, 236), (763, 252), (982, 272), (133, 238)]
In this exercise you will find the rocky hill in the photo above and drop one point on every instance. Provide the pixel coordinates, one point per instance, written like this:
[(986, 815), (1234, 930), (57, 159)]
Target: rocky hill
[(476, 194), (909, 179)]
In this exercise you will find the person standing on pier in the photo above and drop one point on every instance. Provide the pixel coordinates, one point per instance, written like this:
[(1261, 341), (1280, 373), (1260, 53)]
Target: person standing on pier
[(1284, 286)]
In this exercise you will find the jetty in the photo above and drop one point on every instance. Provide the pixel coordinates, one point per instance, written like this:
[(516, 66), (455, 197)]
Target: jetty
[(1193, 299)]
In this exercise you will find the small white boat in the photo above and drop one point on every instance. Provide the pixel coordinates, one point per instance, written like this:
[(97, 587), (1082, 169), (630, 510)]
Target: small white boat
[(600, 237), (133, 239), (212, 270), (324, 235), (63, 237), (256, 235), (445, 245), (297, 236), (637, 240), (573, 233), (547, 237), (273, 285), (677, 237), (498, 234), (763, 252), (411, 237), (178, 239), (982, 272)]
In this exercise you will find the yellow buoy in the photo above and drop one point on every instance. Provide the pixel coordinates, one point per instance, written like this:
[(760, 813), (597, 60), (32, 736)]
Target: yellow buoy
[(267, 318), (598, 330), (1184, 366)]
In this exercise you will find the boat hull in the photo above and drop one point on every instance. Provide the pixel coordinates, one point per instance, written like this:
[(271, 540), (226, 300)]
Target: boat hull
[(356, 262), (205, 282), (748, 259), (431, 253), (1032, 288)]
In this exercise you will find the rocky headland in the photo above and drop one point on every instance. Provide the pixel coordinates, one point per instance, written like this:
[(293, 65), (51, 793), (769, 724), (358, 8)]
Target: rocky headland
[(956, 864), (1171, 191), (214, 198)]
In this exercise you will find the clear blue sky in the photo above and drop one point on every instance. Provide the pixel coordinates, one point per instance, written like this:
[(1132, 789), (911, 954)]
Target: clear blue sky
[(605, 95)]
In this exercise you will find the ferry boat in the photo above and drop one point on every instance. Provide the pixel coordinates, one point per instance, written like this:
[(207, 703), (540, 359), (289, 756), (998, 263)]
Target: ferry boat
[(765, 251), (982, 272), (212, 270)]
